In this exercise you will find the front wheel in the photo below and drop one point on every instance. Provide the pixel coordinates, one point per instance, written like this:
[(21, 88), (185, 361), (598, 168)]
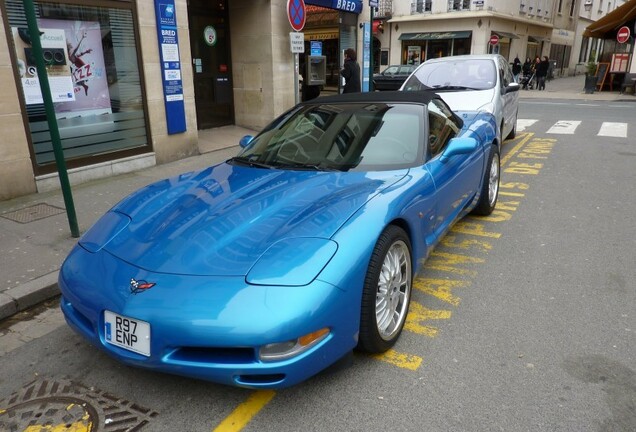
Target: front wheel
[(387, 291), (490, 187)]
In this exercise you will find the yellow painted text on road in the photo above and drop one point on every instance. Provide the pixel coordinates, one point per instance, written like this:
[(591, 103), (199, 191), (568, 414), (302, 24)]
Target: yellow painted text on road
[(419, 314), (440, 288), (472, 228), (451, 241), (404, 361)]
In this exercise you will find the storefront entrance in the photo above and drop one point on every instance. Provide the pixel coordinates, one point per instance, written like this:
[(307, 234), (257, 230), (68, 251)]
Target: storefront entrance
[(211, 62)]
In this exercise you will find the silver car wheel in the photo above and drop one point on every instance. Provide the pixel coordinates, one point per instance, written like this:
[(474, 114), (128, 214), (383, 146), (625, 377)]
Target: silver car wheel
[(493, 181), (394, 290)]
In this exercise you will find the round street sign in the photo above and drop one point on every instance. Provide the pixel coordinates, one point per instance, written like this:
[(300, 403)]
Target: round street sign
[(623, 34), (494, 39), (297, 14)]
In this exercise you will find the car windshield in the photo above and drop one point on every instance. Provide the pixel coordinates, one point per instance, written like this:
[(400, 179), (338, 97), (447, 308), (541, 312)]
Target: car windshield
[(352, 136), (454, 74)]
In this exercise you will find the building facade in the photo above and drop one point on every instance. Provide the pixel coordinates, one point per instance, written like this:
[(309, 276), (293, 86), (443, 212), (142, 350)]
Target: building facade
[(135, 81)]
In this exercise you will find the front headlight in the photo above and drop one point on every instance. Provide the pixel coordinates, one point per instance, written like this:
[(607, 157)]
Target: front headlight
[(292, 262), (292, 348)]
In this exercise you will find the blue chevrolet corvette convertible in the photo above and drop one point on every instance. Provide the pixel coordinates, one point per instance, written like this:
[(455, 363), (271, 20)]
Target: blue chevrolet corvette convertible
[(265, 269)]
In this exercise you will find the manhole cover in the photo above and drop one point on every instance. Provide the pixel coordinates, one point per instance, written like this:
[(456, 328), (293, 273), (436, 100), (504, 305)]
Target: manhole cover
[(33, 213), (45, 405)]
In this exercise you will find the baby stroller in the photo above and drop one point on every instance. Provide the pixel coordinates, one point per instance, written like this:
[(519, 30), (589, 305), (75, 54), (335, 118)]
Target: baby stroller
[(528, 81)]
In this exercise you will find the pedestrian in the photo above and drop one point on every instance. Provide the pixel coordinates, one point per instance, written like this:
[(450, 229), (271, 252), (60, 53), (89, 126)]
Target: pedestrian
[(542, 72), (351, 72), (516, 69)]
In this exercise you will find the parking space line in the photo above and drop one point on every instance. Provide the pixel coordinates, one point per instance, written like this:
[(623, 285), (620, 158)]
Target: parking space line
[(244, 413), (522, 142)]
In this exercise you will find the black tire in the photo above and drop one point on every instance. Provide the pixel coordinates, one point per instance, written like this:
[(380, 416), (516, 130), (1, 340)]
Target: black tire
[(490, 187), (513, 132), (387, 291)]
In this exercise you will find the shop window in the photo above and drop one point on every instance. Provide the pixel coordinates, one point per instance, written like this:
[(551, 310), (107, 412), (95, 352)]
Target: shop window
[(95, 79)]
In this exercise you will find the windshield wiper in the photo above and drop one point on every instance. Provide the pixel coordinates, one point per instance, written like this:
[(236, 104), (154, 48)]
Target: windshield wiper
[(248, 162), (454, 87), (306, 167)]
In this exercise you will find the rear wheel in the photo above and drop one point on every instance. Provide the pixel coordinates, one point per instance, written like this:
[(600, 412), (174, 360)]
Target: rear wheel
[(490, 187), (513, 132), (387, 291)]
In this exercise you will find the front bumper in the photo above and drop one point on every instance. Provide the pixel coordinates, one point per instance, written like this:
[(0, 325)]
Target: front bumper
[(209, 327)]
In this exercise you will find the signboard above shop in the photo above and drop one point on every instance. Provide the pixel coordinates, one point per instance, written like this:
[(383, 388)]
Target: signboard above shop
[(353, 6)]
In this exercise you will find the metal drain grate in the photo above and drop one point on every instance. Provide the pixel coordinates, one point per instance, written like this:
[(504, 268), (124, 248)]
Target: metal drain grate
[(45, 405), (33, 213)]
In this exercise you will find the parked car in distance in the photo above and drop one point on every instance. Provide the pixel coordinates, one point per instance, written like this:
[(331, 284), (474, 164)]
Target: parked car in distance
[(472, 82), (267, 268), (392, 77)]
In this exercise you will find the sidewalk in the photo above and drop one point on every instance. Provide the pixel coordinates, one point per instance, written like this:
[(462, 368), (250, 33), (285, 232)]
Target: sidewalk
[(34, 231)]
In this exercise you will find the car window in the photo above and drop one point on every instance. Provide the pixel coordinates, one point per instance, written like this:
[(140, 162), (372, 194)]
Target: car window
[(353, 136), (406, 70), (441, 127), (391, 70), (478, 74)]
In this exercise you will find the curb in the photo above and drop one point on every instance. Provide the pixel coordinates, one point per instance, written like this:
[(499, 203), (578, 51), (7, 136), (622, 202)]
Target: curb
[(28, 294)]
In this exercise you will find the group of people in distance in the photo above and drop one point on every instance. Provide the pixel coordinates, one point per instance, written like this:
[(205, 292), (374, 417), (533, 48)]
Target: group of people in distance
[(537, 68)]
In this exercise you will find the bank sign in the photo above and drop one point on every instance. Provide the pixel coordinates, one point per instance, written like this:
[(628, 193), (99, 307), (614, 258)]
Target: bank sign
[(354, 6), (170, 65)]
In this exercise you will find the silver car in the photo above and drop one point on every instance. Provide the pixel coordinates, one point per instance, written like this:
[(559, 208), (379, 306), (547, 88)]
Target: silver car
[(472, 82)]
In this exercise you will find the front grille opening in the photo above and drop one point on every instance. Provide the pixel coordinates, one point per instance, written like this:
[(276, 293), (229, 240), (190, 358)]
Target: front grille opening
[(214, 355)]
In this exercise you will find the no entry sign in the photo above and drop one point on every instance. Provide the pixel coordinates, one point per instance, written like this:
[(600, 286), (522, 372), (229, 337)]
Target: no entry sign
[(494, 39), (623, 34), (297, 14)]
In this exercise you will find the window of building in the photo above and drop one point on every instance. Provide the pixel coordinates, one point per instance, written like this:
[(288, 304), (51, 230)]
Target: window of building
[(420, 6), (458, 5), (95, 73)]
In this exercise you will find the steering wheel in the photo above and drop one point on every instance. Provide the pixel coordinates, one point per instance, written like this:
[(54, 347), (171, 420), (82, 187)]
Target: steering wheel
[(291, 151)]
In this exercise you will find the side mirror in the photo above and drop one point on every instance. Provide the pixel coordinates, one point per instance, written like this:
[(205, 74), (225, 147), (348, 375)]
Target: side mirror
[(458, 146), (245, 141), (512, 87)]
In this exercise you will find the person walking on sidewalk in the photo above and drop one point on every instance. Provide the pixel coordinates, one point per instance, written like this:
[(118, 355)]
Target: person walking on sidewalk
[(516, 69), (542, 72), (351, 72)]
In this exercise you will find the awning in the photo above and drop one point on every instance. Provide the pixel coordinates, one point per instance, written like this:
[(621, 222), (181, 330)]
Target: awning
[(322, 34), (611, 22), (435, 35), (535, 39), (505, 34)]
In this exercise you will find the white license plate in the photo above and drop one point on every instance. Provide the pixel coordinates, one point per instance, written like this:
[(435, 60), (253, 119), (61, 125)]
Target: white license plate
[(128, 333)]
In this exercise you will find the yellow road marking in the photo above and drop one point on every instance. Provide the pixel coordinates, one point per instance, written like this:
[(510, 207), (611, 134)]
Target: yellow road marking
[(472, 228), (81, 426), (516, 148), (244, 413), (440, 288), (450, 241), (418, 314), (405, 361), (511, 194)]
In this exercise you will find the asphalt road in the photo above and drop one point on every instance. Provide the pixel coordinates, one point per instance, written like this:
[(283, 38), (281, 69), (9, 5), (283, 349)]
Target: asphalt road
[(521, 321)]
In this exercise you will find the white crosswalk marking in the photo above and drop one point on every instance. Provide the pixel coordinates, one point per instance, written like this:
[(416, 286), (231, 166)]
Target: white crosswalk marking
[(522, 124), (566, 127), (611, 129)]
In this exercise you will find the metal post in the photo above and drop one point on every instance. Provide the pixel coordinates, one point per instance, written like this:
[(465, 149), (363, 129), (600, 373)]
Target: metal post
[(34, 32), (371, 53), (296, 78)]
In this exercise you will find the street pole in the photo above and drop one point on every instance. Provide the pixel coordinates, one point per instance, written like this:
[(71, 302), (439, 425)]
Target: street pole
[(371, 52), (45, 88)]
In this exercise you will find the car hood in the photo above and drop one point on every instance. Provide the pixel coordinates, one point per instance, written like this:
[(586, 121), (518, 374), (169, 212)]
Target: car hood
[(219, 221), (473, 100)]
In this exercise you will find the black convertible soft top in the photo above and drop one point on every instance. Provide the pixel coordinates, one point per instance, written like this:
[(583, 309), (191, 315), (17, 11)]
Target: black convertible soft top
[(421, 96)]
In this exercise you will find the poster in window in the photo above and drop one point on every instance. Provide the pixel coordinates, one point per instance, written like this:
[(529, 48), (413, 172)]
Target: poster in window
[(413, 55), (86, 65), (53, 43)]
